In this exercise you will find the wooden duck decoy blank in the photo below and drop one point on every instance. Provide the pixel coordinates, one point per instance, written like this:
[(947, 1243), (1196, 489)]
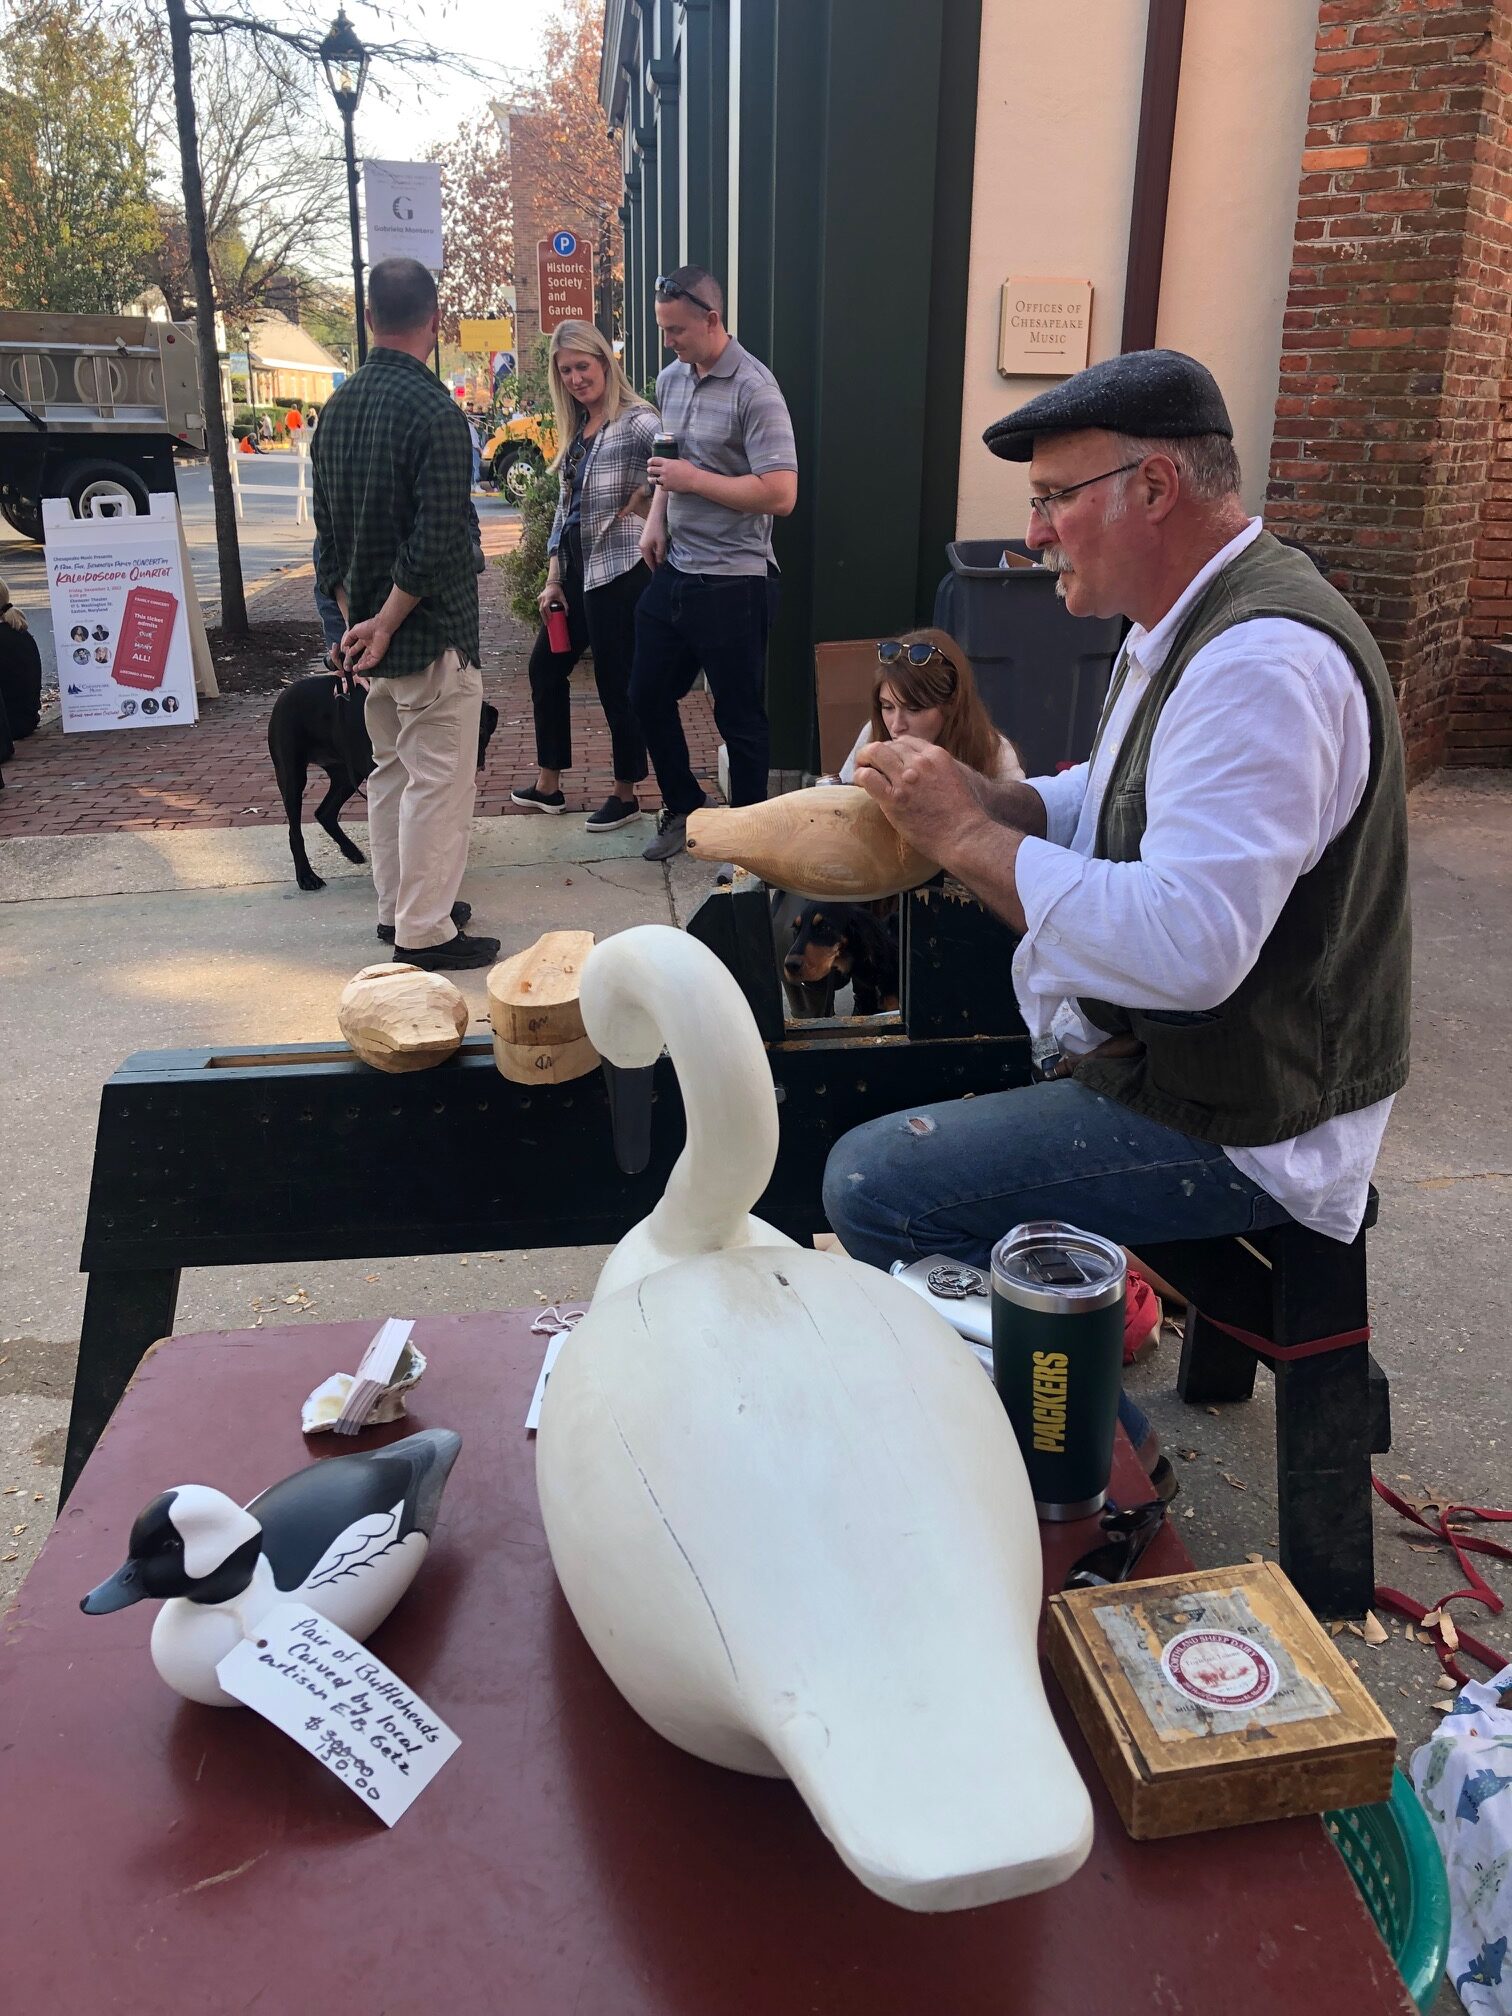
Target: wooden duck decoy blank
[(786, 1507), (832, 841)]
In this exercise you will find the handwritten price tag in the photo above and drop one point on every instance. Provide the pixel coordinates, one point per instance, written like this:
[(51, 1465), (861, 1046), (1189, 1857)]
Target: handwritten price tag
[(328, 1692)]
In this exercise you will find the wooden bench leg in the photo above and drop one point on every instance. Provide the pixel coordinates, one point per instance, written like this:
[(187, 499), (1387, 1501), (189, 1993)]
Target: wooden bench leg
[(124, 1316), (1323, 1437), (1213, 1366)]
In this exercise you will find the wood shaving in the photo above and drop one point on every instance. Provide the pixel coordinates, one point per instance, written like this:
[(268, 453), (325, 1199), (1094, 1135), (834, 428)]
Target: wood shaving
[(1451, 1636), (1447, 1683), (1234, 1483), (1374, 1632)]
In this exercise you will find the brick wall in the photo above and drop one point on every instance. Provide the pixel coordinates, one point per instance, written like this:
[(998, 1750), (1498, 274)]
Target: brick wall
[(1396, 379)]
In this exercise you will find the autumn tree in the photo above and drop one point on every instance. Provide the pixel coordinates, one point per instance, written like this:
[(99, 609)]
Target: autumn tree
[(478, 225), (564, 144), (273, 182), (76, 217)]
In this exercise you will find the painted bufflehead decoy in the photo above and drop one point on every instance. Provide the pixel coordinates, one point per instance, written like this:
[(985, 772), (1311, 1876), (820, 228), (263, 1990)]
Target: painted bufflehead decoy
[(345, 1536)]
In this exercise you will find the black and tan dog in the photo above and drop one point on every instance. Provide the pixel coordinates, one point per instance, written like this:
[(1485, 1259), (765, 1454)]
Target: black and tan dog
[(836, 942), (320, 721)]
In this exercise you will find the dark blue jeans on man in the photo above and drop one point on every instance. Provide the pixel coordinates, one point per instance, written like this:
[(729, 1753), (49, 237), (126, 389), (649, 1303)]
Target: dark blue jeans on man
[(717, 624), (954, 1178)]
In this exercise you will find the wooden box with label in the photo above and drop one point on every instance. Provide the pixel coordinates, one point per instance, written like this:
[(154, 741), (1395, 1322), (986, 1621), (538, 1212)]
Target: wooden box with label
[(1214, 1698)]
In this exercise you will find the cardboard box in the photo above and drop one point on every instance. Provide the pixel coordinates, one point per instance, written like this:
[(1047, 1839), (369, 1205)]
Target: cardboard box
[(1214, 1698), (844, 675)]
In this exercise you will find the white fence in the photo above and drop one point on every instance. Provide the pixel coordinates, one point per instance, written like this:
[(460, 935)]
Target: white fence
[(242, 466)]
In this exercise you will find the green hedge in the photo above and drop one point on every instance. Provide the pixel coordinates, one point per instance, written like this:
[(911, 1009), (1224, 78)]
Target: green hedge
[(525, 568)]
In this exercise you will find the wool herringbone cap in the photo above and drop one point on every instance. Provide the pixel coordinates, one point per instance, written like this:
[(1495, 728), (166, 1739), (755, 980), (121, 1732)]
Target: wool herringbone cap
[(1153, 394)]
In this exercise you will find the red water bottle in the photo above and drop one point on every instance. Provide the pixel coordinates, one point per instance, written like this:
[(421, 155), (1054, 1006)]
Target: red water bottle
[(558, 636)]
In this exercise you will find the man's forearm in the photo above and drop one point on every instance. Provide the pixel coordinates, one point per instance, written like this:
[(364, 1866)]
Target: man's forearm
[(983, 854), (397, 605), (1017, 805)]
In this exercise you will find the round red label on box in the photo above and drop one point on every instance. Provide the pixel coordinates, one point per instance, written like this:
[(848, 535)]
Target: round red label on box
[(1219, 1669)]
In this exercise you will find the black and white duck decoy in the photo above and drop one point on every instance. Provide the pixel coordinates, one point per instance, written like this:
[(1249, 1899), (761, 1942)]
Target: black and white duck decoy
[(345, 1536)]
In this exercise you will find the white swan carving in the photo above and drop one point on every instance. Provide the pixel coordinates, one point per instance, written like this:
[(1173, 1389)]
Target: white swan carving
[(785, 1505)]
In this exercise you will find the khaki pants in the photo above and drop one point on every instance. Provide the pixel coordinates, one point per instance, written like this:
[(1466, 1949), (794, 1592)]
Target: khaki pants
[(424, 731)]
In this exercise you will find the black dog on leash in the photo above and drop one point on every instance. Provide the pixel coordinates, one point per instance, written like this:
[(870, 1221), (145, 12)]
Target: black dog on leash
[(320, 720)]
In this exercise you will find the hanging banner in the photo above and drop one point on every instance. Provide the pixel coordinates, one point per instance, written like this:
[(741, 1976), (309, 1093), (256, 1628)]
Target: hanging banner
[(121, 618), (401, 202)]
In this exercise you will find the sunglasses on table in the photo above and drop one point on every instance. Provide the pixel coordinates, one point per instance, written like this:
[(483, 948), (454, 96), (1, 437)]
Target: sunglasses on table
[(893, 652), (670, 290)]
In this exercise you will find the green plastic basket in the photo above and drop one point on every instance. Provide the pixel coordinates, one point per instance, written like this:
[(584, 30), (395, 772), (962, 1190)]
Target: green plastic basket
[(1398, 1870)]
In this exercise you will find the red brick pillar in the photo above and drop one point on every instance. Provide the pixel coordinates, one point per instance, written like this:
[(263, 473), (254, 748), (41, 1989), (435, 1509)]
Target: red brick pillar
[(1395, 347)]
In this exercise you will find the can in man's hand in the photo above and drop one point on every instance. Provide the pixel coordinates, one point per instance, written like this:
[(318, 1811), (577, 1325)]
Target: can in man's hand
[(1057, 1355), (665, 446)]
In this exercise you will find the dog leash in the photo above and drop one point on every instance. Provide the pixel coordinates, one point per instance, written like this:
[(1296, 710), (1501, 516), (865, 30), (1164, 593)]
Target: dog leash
[(1447, 1527)]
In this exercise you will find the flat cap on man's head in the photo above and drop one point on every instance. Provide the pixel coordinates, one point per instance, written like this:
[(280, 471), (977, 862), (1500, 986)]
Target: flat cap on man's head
[(1155, 395)]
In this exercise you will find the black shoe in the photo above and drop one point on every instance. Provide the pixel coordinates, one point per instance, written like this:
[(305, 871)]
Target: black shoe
[(613, 813), (454, 956), (539, 801), (461, 913)]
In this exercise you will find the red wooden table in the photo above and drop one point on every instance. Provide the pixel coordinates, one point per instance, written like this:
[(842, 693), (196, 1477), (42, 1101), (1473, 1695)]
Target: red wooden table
[(171, 1860)]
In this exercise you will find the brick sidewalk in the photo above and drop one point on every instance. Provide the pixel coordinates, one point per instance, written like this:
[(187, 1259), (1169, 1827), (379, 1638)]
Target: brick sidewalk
[(217, 773)]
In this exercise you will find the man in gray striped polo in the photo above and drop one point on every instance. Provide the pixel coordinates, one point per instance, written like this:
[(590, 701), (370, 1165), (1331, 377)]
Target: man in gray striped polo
[(708, 540)]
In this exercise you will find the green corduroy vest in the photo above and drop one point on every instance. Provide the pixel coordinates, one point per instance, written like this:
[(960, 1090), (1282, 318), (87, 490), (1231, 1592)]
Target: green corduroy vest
[(1319, 1026)]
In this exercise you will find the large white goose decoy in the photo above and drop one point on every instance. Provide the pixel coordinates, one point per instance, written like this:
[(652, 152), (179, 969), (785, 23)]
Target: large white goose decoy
[(786, 1508), (345, 1537)]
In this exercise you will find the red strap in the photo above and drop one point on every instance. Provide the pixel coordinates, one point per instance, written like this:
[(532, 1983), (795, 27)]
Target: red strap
[(1477, 1589), (1313, 1348)]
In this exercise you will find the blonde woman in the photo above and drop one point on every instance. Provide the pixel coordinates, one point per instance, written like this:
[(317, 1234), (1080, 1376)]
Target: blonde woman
[(604, 431)]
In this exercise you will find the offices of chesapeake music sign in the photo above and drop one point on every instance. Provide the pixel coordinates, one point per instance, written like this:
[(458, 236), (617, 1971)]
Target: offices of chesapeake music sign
[(1044, 327)]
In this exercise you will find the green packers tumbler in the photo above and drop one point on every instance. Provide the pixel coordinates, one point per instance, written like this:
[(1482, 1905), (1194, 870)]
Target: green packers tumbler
[(1057, 1356)]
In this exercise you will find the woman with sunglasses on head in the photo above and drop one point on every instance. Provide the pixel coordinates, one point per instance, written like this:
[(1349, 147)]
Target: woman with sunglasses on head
[(925, 687), (604, 431)]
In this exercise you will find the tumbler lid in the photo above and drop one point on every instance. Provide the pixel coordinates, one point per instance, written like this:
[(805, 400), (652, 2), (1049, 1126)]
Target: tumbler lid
[(1057, 1269)]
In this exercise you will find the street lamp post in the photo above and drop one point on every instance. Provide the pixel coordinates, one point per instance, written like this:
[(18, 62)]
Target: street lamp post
[(345, 63)]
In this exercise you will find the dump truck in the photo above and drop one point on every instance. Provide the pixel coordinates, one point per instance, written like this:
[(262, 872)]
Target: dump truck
[(93, 408)]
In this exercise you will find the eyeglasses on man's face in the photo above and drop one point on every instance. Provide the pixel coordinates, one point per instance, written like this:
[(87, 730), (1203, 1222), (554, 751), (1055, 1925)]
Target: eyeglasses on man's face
[(670, 290), (1044, 507)]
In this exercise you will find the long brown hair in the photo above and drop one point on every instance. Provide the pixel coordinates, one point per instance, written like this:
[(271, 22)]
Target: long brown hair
[(946, 682)]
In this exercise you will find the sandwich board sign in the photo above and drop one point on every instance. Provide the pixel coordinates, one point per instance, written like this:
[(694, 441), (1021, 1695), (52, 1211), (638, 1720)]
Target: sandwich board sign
[(126, 621)]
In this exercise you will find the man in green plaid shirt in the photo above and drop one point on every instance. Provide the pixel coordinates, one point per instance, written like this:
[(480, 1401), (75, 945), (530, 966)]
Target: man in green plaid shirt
[(392, 462)]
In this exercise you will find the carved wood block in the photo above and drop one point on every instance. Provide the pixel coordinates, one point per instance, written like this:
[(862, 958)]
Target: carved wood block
[(831, 841), (534, 1009), (400, 1018)]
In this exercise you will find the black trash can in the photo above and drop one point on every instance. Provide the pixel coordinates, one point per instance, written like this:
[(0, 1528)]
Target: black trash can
[(1043, 673)]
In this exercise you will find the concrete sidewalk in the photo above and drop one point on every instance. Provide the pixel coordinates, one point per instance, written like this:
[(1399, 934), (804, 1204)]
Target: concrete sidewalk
[(122, 942)]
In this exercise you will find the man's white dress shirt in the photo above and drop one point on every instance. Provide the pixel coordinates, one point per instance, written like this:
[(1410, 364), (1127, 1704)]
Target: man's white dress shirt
[(1258, 761)]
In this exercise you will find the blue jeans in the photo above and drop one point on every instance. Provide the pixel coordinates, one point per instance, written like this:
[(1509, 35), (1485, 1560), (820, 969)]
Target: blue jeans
[(332, 622), (718, 624), (955, 1178)]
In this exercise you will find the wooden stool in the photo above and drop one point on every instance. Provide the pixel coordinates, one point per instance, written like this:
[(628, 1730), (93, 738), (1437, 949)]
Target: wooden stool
[(1297, 1300)]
